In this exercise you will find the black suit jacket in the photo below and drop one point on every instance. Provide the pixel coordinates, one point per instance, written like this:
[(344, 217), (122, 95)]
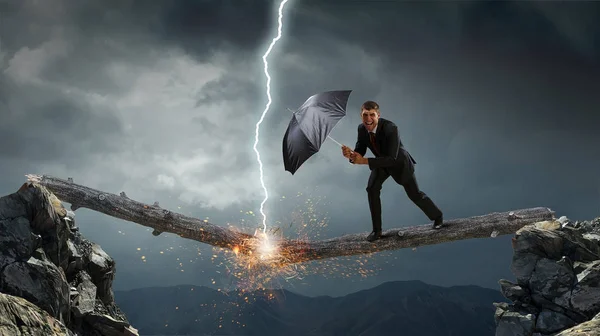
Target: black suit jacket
[(392, 155)]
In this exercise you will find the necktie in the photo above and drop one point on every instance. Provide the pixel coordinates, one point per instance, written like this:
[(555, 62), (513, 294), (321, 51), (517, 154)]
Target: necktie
[(372, 135)]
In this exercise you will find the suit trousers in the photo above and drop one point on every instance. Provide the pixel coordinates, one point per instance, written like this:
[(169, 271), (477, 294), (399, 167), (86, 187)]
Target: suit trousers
[(418, 197)]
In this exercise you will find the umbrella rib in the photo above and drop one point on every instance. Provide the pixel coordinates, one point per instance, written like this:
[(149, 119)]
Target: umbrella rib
[(339, 144)]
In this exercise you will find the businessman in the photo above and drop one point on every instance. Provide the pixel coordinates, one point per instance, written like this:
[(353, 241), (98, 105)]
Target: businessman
[(391, 159)]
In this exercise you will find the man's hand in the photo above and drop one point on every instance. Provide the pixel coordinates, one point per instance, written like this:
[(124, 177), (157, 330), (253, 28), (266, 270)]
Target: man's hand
[(358, 159), (346, 151)]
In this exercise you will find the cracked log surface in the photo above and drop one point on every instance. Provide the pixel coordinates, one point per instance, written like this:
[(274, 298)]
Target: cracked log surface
[(162, 220)]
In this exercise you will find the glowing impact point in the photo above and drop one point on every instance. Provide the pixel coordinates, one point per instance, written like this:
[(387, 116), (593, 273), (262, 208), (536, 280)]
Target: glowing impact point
[(266, 249), (266, 69)]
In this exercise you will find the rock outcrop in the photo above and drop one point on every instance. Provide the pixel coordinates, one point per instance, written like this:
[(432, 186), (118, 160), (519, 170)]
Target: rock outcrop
[(21, 317), (50, 275), (557, 291)]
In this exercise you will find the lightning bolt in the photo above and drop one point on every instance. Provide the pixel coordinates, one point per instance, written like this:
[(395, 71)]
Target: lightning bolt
[(262, 117)]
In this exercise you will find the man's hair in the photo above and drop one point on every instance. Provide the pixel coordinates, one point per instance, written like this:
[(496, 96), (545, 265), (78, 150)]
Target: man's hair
[(369, 105)]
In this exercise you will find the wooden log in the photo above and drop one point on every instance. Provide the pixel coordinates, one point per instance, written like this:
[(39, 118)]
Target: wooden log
[(121, 206), (288, 250), (484, 226)]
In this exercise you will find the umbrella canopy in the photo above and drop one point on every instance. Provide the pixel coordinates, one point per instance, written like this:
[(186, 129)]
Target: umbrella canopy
[(311, 125)]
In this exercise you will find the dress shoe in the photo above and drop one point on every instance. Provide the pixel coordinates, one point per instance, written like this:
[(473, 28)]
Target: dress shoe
[(438, 222), (374, 236)]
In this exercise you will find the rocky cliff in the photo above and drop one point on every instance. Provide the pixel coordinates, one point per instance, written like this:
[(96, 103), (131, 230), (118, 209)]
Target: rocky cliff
[(557, 291), (52, 280)]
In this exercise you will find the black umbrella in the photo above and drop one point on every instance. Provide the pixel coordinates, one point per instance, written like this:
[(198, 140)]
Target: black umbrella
[(311, 125)]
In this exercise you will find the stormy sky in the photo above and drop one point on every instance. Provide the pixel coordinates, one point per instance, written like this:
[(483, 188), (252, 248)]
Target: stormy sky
[(497, 101)]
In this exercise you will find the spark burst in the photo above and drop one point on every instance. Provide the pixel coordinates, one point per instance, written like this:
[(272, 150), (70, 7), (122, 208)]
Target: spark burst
[(268, 266), (268, 89), (245, 279)]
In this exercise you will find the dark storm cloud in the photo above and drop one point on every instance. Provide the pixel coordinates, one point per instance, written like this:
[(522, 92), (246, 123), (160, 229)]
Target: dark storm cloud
[(236, 26), (57, 129), (97, 33), (229, 87), (202, 21), (398, 30), (48, 123)]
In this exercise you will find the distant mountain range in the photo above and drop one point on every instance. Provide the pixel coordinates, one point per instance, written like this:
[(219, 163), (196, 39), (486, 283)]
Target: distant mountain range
[(410, 308)]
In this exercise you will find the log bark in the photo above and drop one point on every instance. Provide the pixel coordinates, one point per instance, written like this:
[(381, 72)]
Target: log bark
[(153, 216), (484, 226), (290, 250)]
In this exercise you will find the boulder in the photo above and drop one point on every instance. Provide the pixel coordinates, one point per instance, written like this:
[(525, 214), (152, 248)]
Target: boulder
[(21, 317), (557, 271), (589, 328)]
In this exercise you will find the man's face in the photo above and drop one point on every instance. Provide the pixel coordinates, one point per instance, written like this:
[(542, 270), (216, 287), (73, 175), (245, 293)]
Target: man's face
[(370, 118)]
